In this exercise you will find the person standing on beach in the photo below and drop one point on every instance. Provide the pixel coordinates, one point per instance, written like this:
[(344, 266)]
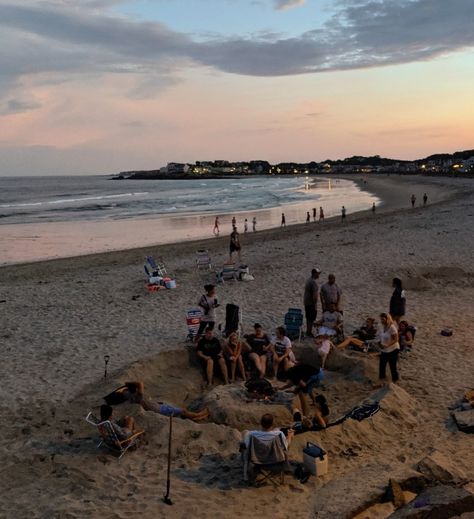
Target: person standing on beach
[(321, 214), (208, 303), (254, 224), (397, 301), (216, 226), (246, 226), (343, 213), (425, 199), (373, 208), (314, 214), (310, 300), (308, 217), (283, 220), (234, 243), (331, 293), (413, 200), (390, 347)]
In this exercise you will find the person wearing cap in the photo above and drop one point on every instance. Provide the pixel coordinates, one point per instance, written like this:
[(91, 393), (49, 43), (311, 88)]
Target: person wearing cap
[(310, 300), (260, 345)]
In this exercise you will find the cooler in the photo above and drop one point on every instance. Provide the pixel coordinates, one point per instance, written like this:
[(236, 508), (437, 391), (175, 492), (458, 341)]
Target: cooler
[(315, 459)]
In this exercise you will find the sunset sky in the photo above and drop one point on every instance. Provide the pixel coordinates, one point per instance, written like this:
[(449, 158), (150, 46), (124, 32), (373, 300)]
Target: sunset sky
[(101, 86)]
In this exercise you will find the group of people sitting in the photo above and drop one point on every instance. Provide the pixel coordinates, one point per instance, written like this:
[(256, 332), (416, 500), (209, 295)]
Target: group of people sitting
[(255, 353)]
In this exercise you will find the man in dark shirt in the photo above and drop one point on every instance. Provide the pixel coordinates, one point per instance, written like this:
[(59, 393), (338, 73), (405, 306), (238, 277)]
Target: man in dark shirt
[(259, 343), (210, 354), (305, 378)]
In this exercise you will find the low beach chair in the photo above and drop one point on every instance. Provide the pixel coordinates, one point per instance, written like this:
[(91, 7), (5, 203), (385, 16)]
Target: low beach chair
[(203, 259), (193, 320), (228, 272), (265, 459), (294, 323), (158, 267), (109, 439)]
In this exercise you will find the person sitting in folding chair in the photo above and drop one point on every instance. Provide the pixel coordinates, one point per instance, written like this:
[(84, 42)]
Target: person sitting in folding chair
[(123, 428), (331, 322), (265, 451)]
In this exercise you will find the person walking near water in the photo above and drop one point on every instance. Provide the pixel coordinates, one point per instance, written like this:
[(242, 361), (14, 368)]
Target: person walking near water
[(254, 224), (308, 217), (234, 222), (314, 214), (216, 226), (425, 199), (373, 208), (246, 226), (413, 200), (321, 214), (283, 220), (234, 243), (343, 213)]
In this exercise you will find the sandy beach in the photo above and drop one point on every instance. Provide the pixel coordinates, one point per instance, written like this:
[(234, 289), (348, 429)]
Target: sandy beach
[(59, 318)]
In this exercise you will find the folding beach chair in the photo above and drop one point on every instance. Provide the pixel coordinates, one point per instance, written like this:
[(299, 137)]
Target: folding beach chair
[(265, 459), (233, 320), (203, 259), (158, 267), (294, 323), (228, 272), (109, 438), (193, 320)]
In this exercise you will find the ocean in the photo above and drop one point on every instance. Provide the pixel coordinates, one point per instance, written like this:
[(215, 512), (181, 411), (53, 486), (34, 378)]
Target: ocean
[(50, 217)]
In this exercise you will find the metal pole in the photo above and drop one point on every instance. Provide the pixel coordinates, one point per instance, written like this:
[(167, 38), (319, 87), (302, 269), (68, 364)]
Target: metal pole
[(166, 498)]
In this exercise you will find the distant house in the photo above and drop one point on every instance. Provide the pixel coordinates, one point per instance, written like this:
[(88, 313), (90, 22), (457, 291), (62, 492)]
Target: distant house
[(177, 168)]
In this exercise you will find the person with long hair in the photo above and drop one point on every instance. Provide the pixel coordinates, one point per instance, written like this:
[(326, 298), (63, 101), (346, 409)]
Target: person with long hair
[(233, 353), (397, 301), (390, 347)]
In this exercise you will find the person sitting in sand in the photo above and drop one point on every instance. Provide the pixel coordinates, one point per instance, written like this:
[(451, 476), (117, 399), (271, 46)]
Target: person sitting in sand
[(124, 428), (233, 353), (260, 345), (405, 336), (323, 347), (305, 378), (135, 393), (282, 352), (367, 332), (331, 322), (319, 419), (210, 355)]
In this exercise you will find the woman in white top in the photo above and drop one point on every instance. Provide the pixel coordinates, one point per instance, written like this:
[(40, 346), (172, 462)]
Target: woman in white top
[(282, 351), (390, 347)]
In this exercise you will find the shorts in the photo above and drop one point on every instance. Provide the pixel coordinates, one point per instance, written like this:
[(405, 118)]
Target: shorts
[(169, 410), (313, 382), (311, 313)]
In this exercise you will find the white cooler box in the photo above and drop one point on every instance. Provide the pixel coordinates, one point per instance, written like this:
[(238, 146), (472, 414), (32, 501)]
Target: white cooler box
[(315, 459)]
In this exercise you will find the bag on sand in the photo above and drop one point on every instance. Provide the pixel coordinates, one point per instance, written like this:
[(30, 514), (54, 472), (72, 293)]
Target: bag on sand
[(116, 397)]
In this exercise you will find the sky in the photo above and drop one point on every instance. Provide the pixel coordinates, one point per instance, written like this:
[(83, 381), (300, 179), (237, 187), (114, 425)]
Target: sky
[(102, 86)]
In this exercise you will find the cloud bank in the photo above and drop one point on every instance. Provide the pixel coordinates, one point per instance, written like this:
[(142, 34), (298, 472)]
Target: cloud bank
[(72, 39), (283, 5)]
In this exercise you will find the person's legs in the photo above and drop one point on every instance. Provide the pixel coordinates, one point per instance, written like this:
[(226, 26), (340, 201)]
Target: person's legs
[(223, 367), (233, 366), (240, 363), (351, 341), (392, 361), (210, 371), (323, 356), (304, 405), (383, 365), (127, 422), (202, 327), (310, 312), (195, 416), (263, 365)]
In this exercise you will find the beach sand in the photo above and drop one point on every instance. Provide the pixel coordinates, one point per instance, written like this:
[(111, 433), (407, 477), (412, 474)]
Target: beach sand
[(59, 318)]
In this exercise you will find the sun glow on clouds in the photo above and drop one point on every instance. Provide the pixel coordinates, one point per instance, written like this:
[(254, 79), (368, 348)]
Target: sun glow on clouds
[(84, 80)]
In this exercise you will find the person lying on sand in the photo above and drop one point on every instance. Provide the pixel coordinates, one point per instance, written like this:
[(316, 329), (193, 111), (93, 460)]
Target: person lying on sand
[(135, 393), (367, 332), (124, 428)]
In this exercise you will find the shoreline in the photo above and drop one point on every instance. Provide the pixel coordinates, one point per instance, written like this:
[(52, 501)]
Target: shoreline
[(60, 317), (393, 191)]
